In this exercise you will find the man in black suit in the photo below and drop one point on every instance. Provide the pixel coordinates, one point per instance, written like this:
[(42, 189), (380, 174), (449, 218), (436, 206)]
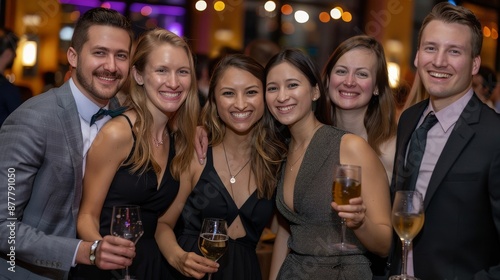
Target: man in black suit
[(459, 175)]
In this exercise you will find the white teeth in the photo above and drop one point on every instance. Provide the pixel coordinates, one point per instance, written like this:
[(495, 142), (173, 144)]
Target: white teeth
[(286, 108), (348, 93), (241, 115), (439, 75), (107, 79), (170, 94)]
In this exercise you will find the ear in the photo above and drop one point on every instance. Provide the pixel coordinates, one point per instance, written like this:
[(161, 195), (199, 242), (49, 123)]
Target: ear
[(476, 63), (415, 61), (72, 56), (316, 93), (137, 76)]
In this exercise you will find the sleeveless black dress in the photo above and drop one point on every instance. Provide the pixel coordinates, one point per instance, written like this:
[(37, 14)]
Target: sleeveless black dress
[(142, 190), (210, 199)]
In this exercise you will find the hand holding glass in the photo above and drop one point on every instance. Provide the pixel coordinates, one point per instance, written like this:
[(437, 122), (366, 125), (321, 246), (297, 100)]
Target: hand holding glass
[(126, 223), (346, 185), (213, 239), (407, 220)]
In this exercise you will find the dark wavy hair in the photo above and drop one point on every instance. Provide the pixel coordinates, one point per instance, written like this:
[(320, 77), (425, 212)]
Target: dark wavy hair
[(269, 150)]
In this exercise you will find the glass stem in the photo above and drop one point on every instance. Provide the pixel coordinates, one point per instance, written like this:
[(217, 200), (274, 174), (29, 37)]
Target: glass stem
[(127, 276), (404, 261), (210, 276), (342, 237)]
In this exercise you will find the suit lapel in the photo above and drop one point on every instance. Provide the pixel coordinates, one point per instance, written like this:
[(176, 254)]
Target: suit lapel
[(460, 136), (70, 121)]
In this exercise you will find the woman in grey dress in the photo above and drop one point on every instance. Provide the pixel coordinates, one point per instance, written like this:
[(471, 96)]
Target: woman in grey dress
[(310, 223)]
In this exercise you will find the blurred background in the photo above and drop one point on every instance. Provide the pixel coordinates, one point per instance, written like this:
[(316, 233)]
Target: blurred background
[(213, 27)]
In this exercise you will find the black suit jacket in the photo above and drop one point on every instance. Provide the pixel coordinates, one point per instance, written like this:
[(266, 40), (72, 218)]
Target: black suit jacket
[(460, 238)]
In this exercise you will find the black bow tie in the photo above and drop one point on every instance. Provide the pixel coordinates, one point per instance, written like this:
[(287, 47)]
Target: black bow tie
[(103, 112)]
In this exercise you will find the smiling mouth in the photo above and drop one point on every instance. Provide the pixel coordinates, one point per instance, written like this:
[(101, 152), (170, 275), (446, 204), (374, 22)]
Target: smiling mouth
[(439, 75), (170, 94), (241, 115), (285, 108)]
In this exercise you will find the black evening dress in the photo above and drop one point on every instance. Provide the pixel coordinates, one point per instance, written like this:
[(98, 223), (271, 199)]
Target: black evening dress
[(210, 199), (143, 190)]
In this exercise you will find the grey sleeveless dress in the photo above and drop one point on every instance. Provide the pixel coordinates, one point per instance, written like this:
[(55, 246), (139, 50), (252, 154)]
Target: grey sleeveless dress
[(314, 225)]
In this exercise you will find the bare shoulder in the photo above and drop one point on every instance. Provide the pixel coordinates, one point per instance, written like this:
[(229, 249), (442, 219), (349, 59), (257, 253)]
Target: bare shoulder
[(355, 148)]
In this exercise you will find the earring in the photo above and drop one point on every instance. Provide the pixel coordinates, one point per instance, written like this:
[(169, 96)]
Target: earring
[(375, 92)]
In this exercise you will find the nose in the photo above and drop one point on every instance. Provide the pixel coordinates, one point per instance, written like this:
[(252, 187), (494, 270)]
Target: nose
[(172, 81), (110, 64), (350, 80), (241, 102), (440, 59), (282, 96)]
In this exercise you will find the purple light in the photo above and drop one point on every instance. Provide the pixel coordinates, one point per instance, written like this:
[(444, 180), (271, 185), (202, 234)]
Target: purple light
[(164, 10), (176, 28)]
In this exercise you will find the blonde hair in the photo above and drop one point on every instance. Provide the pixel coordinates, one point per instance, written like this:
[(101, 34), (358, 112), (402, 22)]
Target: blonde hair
[(184, 120)]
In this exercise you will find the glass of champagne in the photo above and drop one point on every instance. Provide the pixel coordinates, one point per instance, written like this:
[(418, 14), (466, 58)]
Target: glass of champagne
[(346, 185), (407, 220), (126, 223), (213, 239)]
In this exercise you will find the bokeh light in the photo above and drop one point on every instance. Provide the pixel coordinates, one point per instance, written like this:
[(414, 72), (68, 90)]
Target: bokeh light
[(301, 16), (286, 9), (346, 16), (486, 31), (324, 17), (270, 6), (336, 13), (201, 5), (219, 6)]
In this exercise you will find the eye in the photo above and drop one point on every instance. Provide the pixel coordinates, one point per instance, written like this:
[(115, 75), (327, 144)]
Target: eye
[(340, 72), (429, 49), (227, 93), (271, 88), (122, 56), (185, 71), (363, 75), (455, 52), (293, 85), (252, 92)]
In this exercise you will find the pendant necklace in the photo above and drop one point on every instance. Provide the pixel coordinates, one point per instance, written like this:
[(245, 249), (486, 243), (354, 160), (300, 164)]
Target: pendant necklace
[(233, 177), (160, 142)]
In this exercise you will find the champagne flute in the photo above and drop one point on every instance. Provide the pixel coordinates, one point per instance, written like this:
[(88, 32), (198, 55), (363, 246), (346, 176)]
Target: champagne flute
[(213, 239), (346, 185), (126, 223), (407, 220)]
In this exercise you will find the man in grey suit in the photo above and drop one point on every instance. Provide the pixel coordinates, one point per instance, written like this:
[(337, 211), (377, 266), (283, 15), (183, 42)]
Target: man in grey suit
[(43, 146), (459, 174)]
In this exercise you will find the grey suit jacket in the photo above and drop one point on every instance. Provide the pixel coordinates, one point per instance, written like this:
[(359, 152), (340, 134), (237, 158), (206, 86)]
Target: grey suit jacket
[(41, 178), (460, 238)]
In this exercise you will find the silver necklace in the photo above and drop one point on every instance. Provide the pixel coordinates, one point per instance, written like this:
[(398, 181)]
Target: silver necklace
[(160, 142), (233, 177)]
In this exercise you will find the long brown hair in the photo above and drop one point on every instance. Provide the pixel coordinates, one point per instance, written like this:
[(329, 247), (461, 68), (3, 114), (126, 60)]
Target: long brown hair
[(380, 117), (269, 150), (184, 120)]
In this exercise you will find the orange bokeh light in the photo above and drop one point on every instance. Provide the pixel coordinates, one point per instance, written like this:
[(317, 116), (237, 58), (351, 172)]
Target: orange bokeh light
[(324, 17), (286, 9)]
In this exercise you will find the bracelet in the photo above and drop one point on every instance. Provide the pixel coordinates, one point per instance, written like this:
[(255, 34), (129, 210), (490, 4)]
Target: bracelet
[(93, 250)]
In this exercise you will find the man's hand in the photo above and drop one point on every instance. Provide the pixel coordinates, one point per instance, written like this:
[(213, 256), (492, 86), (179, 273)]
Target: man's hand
[(114, 253)]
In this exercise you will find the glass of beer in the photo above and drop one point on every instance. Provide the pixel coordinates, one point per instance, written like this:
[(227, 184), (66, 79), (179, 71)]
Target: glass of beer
[(346, 185), (407, 220), (213, 239)]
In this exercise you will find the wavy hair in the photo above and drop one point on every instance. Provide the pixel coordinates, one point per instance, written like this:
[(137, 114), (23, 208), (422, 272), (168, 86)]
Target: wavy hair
[(184, 120), (380, 117), (269, 150)]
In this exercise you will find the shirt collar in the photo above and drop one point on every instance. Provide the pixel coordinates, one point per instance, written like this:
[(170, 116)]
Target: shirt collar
[(86, 108), (449, 115)]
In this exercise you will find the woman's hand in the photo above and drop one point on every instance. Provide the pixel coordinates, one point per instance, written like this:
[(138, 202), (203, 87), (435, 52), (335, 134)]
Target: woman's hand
[(193, 265), (354, 212)]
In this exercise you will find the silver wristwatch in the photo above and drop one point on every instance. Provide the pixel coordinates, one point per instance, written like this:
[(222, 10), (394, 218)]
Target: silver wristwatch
[(92, 251)]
